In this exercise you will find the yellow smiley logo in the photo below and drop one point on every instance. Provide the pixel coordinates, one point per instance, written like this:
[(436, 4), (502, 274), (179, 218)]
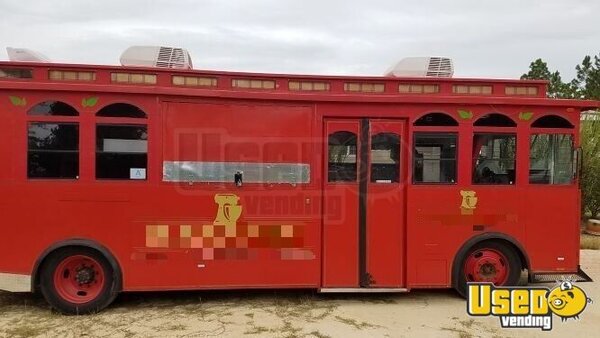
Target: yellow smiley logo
[(567, 301)]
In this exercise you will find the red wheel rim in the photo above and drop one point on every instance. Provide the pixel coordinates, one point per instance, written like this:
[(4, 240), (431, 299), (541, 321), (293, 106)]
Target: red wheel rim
[(79, 279), (487, 265)]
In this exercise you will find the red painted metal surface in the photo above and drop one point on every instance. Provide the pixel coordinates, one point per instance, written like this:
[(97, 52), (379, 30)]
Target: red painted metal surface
[(303, 235)]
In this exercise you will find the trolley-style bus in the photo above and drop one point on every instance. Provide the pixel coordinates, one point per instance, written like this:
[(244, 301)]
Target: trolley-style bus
[(125, 178)]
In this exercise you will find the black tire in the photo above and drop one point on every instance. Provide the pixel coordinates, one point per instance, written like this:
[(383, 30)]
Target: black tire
[(513, 261), (108, 292)]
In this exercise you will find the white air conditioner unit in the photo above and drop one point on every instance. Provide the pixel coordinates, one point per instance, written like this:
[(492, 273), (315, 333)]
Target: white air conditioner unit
[(156, 56), (25, 55), (422, 67)]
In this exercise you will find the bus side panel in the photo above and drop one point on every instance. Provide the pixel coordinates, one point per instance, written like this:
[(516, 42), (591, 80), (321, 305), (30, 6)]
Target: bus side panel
[(552, 227), (40, 213), (204, 234), (7, 137), (10, 249), (437, 228)]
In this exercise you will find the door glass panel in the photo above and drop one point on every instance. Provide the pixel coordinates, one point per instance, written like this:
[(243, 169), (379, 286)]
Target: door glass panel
[(342, 157), (385, 158)]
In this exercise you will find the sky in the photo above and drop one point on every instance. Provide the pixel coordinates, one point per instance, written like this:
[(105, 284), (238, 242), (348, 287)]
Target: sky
[(484, 38)]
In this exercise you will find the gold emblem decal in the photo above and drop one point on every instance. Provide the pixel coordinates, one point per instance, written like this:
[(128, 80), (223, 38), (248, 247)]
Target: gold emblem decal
[(469, 202), (229, 211)]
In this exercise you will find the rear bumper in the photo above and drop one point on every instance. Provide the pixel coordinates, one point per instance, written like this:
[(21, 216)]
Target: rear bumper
[(15, 283)]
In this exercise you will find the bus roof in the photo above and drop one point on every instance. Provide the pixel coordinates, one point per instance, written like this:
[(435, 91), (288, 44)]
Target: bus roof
[(227, 84)]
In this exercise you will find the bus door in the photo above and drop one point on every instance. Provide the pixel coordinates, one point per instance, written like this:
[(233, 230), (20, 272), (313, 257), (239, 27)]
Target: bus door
[(364, 203)]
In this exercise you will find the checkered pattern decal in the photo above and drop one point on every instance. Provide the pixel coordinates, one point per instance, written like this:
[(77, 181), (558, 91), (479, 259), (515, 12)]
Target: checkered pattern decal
[(226, 239)]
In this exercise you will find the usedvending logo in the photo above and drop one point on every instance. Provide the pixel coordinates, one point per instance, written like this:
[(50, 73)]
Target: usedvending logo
[(526, 307)]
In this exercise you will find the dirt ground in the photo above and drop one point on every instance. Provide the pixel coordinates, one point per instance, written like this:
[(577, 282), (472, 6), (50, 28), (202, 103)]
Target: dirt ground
[(283, 314)]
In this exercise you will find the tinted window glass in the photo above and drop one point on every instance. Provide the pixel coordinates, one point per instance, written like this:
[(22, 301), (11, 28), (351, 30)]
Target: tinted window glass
[(385, 158), (434, 158), (342, 157), (121, 110), (494, 158), (16, 73), (436, 119), (121, 152), (551, 159), (52, 108), (494, 120), (53, 150), (551, 121)]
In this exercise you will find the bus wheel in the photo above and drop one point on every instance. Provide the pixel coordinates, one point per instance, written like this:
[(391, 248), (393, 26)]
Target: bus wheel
[(489, 262), (78, 281)]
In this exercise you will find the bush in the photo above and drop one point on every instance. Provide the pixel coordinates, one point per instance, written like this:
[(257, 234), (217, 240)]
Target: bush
[(590, 177)]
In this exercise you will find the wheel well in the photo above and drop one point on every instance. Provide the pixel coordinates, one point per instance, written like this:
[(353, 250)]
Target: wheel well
[(83, 244), (487, 238)]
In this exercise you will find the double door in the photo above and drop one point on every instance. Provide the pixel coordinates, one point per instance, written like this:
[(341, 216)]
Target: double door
[(364, 203)]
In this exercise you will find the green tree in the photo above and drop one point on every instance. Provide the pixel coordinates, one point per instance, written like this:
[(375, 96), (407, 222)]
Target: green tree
[(586, 85), (538, 70), (587, 81)]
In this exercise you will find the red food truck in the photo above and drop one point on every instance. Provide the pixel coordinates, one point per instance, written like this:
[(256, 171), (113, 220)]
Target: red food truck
[(129, 178)]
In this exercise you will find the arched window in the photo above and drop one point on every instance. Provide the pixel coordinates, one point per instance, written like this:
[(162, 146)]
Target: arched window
[(436, 119), (52, 108), (552, 121), (342, 157), (53, 144), (495, 120), (121, 146), (122, 110)]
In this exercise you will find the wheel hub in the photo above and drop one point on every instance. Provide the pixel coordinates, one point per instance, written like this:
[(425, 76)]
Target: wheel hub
[(79, 279), (85, 275), (486, 265), (487, 270)]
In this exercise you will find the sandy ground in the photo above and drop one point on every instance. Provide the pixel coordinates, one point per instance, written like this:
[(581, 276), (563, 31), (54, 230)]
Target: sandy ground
[(283, 314)]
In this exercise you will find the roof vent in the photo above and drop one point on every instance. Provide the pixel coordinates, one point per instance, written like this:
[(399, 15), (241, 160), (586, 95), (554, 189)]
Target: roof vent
[(25, 55), (422, 67), (156, 56)]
